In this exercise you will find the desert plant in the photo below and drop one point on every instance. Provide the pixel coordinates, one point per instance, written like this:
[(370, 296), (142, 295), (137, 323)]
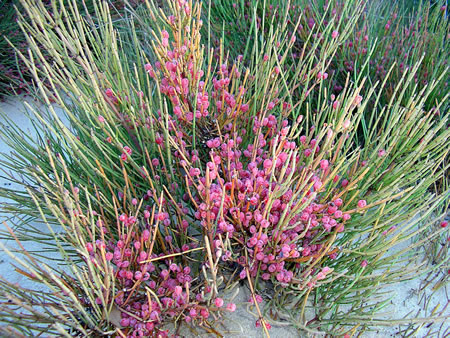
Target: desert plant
[(376, 42), (15, 77), (221, 167)]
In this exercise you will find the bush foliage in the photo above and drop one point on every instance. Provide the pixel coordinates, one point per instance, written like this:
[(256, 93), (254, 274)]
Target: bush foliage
[(195, 159)]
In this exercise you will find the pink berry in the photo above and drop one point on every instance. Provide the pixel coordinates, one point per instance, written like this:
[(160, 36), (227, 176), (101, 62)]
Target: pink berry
[(381, 153), (127, 150), (219, 302), (148, 67), (267, 164), (124, 322), (231, 307), (109, 256), (204, 313), (324, 164), (178, 290), (362, 203), (89, 247)]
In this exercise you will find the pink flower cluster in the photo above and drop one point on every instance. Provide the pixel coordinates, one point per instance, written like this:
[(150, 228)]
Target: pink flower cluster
[(255, 202), (179, 74), (137, 270)]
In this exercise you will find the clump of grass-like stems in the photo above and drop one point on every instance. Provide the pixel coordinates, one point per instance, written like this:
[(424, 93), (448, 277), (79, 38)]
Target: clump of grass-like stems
[(384, 41), (15, 77), (176, 164)]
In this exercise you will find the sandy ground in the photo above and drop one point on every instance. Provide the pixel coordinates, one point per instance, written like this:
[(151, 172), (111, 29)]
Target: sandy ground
[(406, 301)]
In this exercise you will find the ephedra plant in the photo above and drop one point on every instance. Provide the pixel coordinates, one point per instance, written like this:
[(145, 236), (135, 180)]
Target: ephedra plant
[(380, 40), (179, 176)]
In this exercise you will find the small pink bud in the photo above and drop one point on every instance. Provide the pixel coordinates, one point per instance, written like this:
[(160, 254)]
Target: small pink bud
[(109, 256), (193, 312), (321, 276), (231, 307), (127, 150), (324, 164), (204, 313), (89, 247), (335, 34), (362, 203), (267, 164), (137, 245), (101, 119), (219, 302), (178, 290), (148, 67), (364, 263), (124, 322)]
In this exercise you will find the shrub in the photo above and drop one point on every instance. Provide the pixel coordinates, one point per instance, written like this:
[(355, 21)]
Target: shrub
[(15, 77), (172, 162), (377, 46)]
